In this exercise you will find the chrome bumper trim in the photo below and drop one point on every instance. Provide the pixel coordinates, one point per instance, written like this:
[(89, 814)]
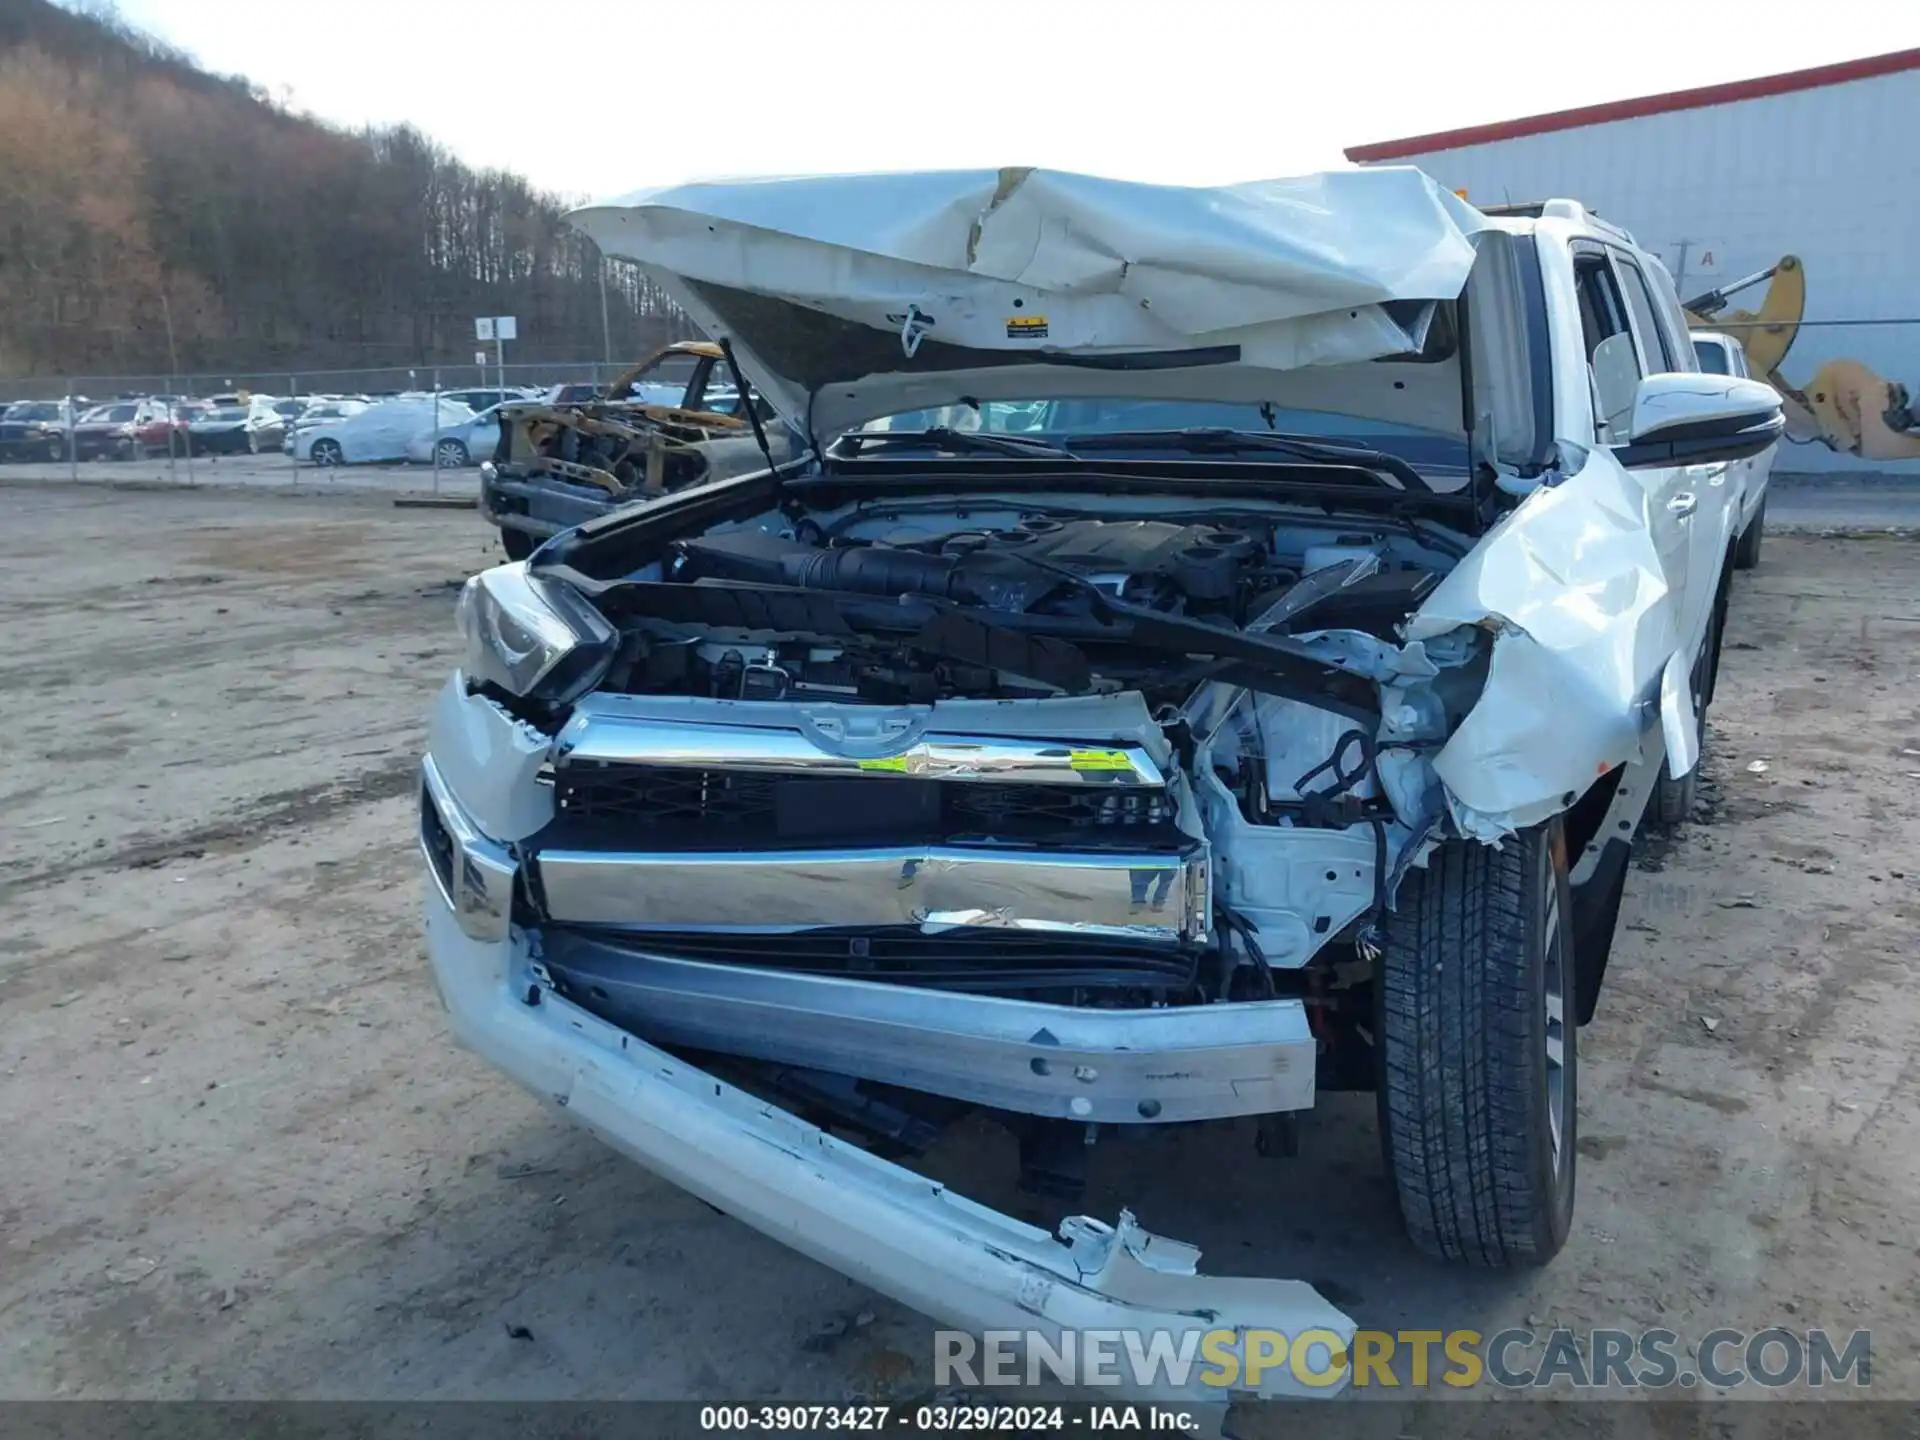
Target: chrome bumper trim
[(478, 885), (1154, 895), (1160, 1065)]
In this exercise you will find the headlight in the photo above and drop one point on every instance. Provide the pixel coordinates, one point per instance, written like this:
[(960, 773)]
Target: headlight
[(532, 637), (489, 472)]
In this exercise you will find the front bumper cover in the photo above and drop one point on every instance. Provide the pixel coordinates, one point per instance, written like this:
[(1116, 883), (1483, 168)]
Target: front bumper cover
[(911, 1238)]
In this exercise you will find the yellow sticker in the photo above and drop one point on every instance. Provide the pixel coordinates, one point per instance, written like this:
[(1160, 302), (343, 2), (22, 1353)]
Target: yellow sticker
[(1026, 327), (1099, 760), (896, 764)]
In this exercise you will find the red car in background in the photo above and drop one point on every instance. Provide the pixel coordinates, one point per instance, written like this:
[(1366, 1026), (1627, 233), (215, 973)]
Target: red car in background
[(168, 433)]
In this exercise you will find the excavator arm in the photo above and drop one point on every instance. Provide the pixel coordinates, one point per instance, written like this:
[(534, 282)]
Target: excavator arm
[(1768, 332), (1845, 406)]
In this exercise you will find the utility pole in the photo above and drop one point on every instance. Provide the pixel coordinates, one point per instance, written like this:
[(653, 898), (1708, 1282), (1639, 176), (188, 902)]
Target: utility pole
[(173, 356)]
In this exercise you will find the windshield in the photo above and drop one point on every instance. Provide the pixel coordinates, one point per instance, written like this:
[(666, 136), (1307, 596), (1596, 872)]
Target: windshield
[(36, 410), (1060, 421), (118, 414), (228, 412)]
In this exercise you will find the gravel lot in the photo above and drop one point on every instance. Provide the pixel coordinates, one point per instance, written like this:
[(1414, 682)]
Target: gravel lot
[(242, 1159)]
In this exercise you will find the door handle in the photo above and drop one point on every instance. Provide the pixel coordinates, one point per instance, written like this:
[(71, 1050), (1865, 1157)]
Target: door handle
[(1682, 504)]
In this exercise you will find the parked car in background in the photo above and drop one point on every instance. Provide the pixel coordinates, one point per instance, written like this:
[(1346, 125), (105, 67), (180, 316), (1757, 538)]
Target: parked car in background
[(221, 430), (113, 431), (378, 433), (462, 442), (38, 429), (166, 432), (570, 394), (321, 410), (1720, 354), (485, 398), (244, 427), (269, 425)]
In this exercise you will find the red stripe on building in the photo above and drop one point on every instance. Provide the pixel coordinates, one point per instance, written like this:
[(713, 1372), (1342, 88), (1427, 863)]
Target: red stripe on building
[(1814, 79)]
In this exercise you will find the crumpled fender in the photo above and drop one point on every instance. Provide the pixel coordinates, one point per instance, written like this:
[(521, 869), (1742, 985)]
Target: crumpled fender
[(1584, 622)]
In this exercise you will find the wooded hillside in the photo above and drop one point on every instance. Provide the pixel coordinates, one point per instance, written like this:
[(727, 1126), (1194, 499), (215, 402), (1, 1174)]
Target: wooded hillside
[(138, 192)]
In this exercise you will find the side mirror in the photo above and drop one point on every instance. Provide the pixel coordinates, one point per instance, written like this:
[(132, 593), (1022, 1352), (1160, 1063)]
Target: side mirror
[(1682, 419)]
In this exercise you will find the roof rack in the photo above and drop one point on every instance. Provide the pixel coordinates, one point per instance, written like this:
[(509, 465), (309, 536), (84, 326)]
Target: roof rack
[(1558, 209)]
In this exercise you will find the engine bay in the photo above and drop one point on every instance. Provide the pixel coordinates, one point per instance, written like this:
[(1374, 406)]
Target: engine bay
[(1026, 607)]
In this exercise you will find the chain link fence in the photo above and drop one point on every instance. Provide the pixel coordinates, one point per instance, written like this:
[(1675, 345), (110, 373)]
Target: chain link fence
[(430, 429)]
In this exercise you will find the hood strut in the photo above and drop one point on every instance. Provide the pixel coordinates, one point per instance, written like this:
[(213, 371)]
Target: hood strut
[(747, 400)]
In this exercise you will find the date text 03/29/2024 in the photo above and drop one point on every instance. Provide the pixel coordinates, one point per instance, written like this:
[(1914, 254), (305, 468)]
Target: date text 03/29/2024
[(946, 1419)]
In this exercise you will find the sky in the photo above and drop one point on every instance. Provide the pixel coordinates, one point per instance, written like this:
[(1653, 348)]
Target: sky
[(588, 98)]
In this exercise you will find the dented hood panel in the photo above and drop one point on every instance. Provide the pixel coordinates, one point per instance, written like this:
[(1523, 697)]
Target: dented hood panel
[(1021, 282)]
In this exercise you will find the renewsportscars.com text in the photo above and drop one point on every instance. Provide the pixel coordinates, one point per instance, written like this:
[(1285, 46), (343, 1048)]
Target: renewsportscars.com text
[(1604, 1358)]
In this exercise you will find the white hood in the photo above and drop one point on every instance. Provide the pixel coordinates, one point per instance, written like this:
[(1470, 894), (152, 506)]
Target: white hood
[(852, 297)]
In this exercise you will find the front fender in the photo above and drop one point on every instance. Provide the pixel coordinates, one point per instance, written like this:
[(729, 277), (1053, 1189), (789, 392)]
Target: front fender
[(1584, 622)]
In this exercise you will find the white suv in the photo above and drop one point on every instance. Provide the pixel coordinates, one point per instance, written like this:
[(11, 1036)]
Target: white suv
[(1219, 648)]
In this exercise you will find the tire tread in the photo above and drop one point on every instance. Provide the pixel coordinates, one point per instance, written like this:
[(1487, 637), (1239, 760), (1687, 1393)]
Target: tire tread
[(1460, 1090)]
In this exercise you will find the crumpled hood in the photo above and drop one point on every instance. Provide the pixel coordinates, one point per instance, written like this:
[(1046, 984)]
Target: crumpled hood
[(851, 297)]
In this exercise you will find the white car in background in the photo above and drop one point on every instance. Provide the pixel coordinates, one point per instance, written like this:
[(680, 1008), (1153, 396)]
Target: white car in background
[(378, 433), (1720, 354), (457, 442), (322, 410)]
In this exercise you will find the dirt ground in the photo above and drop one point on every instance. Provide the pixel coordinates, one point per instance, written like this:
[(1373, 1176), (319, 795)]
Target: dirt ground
[(241, 1158)]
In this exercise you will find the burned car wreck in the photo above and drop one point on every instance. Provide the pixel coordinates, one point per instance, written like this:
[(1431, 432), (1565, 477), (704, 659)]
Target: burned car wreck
[(674, 420), (1217, 646)]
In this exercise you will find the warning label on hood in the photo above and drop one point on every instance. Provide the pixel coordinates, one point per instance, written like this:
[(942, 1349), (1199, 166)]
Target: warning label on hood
[(1026, 327)]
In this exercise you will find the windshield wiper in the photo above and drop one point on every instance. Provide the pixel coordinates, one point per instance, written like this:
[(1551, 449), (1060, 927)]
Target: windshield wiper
[(1215, 439), (942, 437)]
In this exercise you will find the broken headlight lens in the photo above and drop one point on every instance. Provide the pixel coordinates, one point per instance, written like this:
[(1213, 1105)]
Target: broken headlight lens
[(532, 637)]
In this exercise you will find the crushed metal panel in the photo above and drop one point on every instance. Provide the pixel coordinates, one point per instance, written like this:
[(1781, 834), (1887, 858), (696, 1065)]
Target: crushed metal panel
[(1014, 267), (913, 1239), (1583, 621)]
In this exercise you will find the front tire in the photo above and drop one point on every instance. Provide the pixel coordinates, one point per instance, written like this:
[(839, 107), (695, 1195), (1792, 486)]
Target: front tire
[(452, 454), (1478, 1085), (327, 453)]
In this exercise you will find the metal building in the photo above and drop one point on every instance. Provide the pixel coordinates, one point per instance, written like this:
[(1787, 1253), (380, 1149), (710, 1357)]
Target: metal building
[(1725, 181)]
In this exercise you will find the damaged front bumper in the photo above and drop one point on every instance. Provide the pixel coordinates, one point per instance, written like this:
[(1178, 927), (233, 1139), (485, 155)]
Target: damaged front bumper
[(959, 1262), (908, 1237)]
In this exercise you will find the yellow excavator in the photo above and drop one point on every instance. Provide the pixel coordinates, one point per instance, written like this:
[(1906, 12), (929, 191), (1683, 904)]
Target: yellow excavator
[(1845, 406)]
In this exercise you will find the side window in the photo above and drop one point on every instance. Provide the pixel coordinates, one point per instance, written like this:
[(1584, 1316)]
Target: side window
[(1655, 351), (1613, 367), (1713, 358), (719, 395), (1673, 317), (673, 372), (714, 393)]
